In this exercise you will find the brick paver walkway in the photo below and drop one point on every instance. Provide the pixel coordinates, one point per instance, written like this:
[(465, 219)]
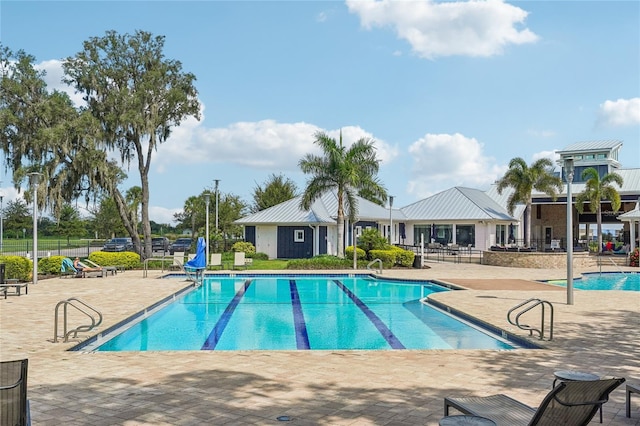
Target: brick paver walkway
[(600, 333)]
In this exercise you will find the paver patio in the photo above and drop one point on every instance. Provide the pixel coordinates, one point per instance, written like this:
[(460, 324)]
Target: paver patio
[(600, 333)]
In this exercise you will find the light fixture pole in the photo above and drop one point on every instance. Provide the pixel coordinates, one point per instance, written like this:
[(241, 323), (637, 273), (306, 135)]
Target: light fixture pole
[(390, 220), (1, 224), (568, 172), (217, 181), (207, 196), (35, 179)]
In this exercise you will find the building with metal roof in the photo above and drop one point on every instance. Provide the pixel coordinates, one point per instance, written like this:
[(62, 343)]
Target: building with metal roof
[(459, 216)]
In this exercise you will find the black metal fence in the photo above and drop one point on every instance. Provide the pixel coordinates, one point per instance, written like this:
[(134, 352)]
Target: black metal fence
[(48, 248)]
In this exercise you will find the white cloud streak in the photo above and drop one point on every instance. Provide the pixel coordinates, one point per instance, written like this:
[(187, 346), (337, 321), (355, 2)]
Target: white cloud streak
[(621, 112), (442, 160), (472, 28)]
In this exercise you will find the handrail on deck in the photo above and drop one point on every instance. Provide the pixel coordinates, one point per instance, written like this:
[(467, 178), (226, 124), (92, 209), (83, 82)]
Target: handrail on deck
[(146, 263), (375, 261), (528, 305), (74, 302)]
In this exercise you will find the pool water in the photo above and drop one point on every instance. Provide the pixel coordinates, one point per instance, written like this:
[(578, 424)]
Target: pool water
[(302, 313), (629, 281)]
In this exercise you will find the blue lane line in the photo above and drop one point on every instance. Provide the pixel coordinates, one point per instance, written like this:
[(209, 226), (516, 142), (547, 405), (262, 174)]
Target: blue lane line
[(302, 338), (216, 333), (388, 335)]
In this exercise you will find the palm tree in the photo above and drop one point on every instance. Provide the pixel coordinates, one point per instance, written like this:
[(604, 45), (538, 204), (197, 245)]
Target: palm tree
[(524, 180), (345, 170), (597, 189)]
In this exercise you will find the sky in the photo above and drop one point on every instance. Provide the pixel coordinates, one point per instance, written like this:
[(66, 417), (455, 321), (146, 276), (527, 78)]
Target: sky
[(449, 91)]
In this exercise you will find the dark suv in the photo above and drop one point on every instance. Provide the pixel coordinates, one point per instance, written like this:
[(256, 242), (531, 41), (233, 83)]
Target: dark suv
[(180, 245), (118, 244), (160, 244)]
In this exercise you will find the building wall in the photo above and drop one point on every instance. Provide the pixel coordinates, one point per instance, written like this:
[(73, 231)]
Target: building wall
[(536, 260)]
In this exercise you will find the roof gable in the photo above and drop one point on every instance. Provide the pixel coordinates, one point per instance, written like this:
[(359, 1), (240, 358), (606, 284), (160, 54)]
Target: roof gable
[(457, 203)]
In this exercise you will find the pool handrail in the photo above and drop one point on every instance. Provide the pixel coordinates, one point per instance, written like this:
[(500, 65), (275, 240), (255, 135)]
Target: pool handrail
[(374, 261)]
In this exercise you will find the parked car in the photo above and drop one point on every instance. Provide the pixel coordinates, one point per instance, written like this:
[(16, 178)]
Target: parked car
[(180, 245), (118, 244), (160, 244)]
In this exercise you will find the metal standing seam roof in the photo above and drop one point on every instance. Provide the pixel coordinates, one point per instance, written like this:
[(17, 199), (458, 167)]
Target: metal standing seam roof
[(457, 203), (323, 211), (597, 145), (630, 185)]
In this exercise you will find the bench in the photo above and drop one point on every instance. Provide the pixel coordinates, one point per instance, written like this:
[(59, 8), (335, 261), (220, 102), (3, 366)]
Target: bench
[(17, 287), (631, 388)]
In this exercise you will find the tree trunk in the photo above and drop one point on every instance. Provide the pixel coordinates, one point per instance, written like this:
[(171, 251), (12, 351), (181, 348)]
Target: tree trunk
[(340, 225)]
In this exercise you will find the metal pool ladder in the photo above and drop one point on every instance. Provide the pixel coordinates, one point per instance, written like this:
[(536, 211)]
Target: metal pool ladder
[(375, 261), (525, 307), (94, 315)]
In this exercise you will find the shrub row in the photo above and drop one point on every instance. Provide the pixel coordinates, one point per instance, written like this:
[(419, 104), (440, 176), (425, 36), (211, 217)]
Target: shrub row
[(17, 267), (320, 262)]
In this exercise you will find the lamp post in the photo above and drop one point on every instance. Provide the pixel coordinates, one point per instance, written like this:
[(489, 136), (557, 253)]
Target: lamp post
[(217, 181), (568, 172), (207, 196), (35, 179), (390, 220), (1, 224)]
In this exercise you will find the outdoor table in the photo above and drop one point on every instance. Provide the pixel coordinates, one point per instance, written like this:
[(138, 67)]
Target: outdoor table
[(466, 420), (575, 376)]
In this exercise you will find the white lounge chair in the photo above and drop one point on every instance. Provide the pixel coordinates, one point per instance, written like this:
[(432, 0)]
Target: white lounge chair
[(239, 260), (216, 261), (178, 260)]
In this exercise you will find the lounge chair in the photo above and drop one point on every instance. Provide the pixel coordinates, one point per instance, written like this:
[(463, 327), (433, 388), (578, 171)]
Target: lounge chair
[(68, 270), (178, 260), (106, 269), (216, 261), (239, 260), (90, 271), (14, 405), (569, 403)]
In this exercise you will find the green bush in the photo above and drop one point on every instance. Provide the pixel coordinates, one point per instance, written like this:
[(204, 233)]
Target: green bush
[(17, 267), (360, 254), (244, 246), (50, 265), (394, 255), (126, 259), (320, 262), (372, 240), (258, 256), (388, 257), (405, 257)]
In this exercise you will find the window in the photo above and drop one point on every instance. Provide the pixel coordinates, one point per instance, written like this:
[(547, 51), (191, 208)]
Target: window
[(358, 231), (298, 236), (465, 235)]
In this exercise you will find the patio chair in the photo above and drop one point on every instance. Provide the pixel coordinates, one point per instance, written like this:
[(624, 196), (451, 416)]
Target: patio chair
[(90, 271), (569, 403), (239, 260), (106, 269), (216, 261), (68, 270), (178, 261), (14, 405)]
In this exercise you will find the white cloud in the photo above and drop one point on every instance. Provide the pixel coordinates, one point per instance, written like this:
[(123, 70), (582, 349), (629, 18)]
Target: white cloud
[(551, 155), (321, 17), (265, 144), (622, 112), (53, 78), (472, 28), (441, 161), (162, 214)]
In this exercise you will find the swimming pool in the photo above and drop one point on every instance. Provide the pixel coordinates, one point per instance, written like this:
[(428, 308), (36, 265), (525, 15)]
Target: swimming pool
[(300, 313), (629, 281)]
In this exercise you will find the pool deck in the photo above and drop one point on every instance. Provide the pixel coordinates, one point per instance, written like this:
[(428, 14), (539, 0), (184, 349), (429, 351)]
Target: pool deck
[(599, 333)]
